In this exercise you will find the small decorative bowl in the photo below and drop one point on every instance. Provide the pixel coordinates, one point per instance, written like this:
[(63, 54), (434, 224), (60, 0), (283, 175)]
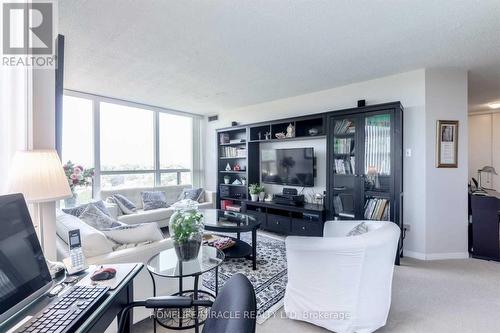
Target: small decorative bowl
[(313, 131)]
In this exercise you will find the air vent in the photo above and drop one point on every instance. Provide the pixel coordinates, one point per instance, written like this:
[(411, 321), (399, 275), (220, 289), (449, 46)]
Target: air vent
[(213, 118)]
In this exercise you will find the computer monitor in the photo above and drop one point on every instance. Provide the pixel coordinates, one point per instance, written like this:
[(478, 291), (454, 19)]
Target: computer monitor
[(24, 275)]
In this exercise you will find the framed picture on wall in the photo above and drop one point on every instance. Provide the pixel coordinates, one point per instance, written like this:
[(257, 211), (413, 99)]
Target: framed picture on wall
[(447, 144)]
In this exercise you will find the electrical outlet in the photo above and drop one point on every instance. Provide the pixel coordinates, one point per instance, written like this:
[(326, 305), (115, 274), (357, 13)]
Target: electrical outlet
[(408, 152), (406, 227)]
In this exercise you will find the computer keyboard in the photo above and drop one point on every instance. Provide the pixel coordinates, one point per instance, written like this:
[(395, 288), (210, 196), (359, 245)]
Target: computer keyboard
[(62, 315)]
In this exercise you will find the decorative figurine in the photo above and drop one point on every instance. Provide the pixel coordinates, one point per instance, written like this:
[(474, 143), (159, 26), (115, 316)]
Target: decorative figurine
[(228, 167), (236, 167), (280, 135), (267, 135), (290, 131)]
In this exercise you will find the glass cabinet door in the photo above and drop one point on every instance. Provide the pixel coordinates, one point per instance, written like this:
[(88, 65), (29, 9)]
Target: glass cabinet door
[(377, 166), (345, 196)]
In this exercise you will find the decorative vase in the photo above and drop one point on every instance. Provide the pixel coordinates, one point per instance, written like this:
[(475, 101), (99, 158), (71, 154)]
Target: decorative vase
[(186, 230), (70, 202), (262, 196), (227, 180), (254, 197)]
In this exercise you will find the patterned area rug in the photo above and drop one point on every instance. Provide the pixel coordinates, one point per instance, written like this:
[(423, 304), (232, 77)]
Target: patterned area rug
[(269, 280)]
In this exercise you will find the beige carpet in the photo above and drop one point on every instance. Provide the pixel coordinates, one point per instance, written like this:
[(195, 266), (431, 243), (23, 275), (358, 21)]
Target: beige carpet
[(428, 296)]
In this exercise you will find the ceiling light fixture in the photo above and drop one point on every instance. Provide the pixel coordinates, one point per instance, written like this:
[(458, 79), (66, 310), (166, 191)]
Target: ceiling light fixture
[(494, 105)]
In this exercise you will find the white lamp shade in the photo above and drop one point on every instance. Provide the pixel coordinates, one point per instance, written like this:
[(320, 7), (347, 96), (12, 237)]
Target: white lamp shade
[(39, 175)]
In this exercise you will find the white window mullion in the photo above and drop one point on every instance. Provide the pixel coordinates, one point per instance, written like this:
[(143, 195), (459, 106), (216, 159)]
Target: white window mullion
[(96, 185), (156, 132)]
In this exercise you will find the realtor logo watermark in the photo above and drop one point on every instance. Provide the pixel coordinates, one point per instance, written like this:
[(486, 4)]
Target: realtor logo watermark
[(28, 33)]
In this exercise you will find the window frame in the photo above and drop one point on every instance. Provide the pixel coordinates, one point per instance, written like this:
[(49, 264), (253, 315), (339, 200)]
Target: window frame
[(157, 171)]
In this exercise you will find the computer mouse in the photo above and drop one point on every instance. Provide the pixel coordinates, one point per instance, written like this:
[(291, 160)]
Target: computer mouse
[(103, 274)]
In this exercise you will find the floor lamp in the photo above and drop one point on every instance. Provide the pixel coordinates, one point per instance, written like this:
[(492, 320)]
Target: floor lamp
[(40, 177)]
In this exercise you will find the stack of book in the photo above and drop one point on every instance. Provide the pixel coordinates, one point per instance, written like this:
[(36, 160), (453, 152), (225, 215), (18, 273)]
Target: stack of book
[(345, 166), (230, 206), (344, 127), (233, 152), (343, 145), (377, 209)]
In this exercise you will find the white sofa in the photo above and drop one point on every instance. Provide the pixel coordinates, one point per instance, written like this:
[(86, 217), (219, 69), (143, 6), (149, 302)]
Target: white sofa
[(100, 252), (161, 215), (342, 283)]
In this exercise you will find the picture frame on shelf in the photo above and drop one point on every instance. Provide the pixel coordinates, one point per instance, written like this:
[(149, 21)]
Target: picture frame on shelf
[(447, 144)]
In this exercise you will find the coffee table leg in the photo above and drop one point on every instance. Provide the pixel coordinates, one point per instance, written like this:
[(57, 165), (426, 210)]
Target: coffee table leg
[(254, 249), (216, 280), (154, 295), (195, 296)]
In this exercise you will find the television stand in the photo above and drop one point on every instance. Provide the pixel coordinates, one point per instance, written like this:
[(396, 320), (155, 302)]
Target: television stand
[(305, 220)]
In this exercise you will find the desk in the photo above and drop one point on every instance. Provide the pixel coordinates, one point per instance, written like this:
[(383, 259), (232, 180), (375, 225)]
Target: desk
[(102, 316)]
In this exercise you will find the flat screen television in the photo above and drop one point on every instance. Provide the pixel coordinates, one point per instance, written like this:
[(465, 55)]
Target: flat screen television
[(293, 167)]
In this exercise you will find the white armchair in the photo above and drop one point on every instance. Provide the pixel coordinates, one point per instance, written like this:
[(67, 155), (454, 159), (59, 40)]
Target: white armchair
[(342, 283)]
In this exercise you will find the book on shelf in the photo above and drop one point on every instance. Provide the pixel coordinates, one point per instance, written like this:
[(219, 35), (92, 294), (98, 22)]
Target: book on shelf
[(345, 166), (337, 204), (344, 127), (225, 203), (343, 146), (233, 152), (377, 209), (233, 208)]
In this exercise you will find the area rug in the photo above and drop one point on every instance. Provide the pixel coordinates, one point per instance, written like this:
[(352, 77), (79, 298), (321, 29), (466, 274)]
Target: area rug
[(269, 280)]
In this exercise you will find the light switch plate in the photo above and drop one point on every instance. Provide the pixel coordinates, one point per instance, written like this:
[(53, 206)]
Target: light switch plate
[(408, 152)]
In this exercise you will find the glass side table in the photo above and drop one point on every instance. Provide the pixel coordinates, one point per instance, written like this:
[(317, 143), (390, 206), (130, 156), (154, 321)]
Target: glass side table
[(167, 265)]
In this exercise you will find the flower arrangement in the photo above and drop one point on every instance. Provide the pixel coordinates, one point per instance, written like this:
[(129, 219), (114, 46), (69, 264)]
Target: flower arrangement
[(77, 175)]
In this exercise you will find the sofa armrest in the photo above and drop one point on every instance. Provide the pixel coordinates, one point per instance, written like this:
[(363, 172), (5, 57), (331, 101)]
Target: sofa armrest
[(135, 254), (113, 209), (210, 197)]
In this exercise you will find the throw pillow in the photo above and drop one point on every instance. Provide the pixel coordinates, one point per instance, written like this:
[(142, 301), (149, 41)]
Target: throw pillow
[(126, 206), (77, 211), (191, 194), (360, 229), (135, 233), (153, 200), (94, 217)]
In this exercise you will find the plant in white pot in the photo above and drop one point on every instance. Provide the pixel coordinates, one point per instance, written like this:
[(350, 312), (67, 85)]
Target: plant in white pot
[(262, 193), (254, 190), (186, 229), (227, 179)]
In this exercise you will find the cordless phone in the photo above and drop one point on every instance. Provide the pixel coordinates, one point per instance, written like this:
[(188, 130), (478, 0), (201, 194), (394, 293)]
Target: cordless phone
[(76, 261)]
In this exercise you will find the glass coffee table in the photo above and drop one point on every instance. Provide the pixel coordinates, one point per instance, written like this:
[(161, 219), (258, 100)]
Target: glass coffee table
[(167, 265), (221, 221)]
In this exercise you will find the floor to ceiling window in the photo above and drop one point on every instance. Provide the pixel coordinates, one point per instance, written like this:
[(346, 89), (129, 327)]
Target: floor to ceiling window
[(128, 144)]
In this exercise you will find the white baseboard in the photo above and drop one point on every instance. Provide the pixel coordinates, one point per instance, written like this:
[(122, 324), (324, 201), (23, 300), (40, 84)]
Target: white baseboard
[(436, 256)]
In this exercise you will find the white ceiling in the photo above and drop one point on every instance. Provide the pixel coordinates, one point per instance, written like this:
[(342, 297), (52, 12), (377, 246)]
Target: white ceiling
[(208, 56)]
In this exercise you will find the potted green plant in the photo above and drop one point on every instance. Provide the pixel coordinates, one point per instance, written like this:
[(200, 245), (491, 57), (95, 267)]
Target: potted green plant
[(186, 230), (227, 179), (254, 190), (262, 193)]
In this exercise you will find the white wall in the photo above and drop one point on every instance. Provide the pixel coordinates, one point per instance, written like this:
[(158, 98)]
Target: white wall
[(446, 195), (43, 137), (409, 88), (484, 146), (432, 196)]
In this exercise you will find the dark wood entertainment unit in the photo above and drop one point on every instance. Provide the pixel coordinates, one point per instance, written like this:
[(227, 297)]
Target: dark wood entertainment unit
[(306, 220), (364, 168)]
